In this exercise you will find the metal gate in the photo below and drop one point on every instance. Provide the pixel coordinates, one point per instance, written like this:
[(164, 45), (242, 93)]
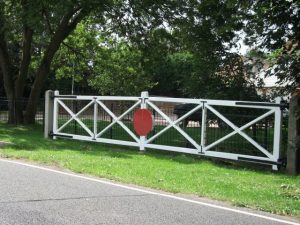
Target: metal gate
[(256, 126)]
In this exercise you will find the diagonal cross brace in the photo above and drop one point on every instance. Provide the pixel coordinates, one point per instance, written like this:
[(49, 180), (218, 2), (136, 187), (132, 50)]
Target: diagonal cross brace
[(239, 130), (118, 120), (75, 117), (72, 118), (174, 124)]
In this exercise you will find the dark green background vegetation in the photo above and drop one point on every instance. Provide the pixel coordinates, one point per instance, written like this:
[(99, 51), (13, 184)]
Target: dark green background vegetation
[(170, 48)]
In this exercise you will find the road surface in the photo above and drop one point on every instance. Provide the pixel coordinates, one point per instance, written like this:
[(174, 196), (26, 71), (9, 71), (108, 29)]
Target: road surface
[(36, 195)]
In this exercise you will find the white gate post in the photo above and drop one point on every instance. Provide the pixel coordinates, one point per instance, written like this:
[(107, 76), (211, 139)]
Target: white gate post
[(203, 126), (95, 118), (55, 113), (48, 113), (144, 96), (277, 134)]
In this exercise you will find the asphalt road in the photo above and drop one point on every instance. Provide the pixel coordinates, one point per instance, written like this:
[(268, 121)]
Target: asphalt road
[(36, 195)]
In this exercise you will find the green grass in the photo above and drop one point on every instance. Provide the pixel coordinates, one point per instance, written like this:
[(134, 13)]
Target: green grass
[(178, 173)]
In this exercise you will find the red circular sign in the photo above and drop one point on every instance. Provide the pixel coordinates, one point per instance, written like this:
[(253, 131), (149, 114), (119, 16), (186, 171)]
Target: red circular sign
[(142, 121)]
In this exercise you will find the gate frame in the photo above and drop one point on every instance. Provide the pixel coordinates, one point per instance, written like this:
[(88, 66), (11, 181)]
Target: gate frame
[(53, 101)]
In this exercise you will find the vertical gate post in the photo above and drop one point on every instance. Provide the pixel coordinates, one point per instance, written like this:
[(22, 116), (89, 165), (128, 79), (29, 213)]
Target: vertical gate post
[(277, 133), (293, 150), (55, 113), (203, 126), (95, 118), (144, 96), (48, 118)]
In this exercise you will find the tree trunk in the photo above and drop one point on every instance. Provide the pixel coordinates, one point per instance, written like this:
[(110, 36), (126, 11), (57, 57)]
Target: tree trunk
[(66, 26), (19, 105), (7, 78), (15, 113), (22, 76), (14, 85), (31, 108), (14, 106)]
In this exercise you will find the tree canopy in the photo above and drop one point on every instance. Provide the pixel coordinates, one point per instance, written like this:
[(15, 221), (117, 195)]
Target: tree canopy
[(274, 28), (174, 48), (31, 34)]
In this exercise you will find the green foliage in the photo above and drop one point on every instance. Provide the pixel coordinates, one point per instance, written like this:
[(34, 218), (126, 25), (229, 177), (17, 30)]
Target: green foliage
[(108, 66), (162, 65), (274, 27), (171, 48), (119, 72), (74, 56), (123, 20)]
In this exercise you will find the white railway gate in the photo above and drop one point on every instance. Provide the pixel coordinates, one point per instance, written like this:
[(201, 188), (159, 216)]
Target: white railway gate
[(201, 146)]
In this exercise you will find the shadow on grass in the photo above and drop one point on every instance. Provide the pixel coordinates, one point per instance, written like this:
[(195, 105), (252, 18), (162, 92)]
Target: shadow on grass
[(30, 138)]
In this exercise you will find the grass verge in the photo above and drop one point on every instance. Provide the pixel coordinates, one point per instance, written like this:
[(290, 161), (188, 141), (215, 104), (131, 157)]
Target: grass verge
[(178, 173)]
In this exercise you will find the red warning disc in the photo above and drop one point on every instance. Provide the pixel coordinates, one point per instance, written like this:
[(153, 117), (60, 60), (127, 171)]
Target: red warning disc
[(142, 122)]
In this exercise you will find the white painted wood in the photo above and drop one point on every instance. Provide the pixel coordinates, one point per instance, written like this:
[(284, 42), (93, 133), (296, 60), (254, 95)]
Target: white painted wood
[(75, 117), (183, 133), (95, 118), (239, 131), (267, 105), (203, 126), (173, 123), (277, 134), (48, 116), (143, 139), (118, 121), (146, 101), (226, 155), (55, 114), (101, 140), (109, 98), (173, 148)]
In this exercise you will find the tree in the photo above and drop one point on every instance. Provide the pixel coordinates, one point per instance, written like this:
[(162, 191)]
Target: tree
[(274, 27), (120, 72), (45, 25), (208, 34), (109, 66), (203, 30)]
